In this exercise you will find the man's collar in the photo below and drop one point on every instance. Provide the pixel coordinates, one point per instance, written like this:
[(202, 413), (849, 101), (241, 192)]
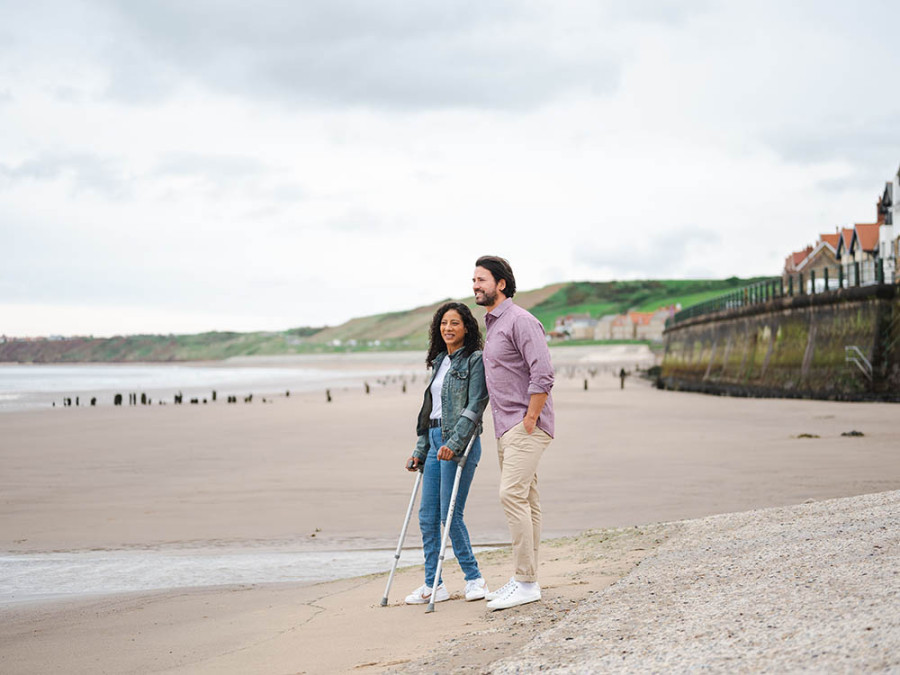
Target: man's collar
[(497, 312)]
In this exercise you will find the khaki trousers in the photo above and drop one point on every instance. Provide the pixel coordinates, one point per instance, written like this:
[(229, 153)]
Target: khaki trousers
[(519, 453)]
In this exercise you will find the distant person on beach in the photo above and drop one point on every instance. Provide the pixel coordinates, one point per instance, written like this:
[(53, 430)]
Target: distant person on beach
[(519, 378), (454, 401)]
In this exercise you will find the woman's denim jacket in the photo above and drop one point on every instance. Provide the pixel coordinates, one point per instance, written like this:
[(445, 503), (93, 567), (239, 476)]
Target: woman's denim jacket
[(464, 397)]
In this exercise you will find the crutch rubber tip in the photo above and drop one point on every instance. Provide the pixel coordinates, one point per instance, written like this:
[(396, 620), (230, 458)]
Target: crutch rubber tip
[(384, 602), (430, 608)]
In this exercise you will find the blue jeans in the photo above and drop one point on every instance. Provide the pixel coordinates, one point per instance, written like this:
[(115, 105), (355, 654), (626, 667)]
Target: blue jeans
[(437, 484)]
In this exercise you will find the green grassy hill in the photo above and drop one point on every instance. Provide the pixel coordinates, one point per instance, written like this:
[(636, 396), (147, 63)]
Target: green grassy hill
[(409, 329), (616, 297), (200, 347), (393, 330)]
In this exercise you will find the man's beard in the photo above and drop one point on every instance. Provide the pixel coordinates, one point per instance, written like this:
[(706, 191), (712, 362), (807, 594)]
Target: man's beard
[(486, 299)]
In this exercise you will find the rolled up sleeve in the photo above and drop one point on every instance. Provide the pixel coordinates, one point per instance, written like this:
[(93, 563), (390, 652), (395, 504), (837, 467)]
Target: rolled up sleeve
[(534, 349)]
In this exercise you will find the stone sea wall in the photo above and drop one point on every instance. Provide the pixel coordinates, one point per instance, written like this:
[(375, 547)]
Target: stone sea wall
[(791, 347)]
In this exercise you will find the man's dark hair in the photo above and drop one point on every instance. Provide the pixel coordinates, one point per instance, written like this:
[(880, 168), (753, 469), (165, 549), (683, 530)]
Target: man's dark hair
[(499, 269), (472, 340)]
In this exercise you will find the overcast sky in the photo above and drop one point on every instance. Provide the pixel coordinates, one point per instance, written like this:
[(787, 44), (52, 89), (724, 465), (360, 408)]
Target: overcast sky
[(188, 165)]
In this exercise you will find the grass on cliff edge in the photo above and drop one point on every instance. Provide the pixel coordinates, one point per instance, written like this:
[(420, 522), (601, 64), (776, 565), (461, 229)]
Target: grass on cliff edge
[(617, 297)]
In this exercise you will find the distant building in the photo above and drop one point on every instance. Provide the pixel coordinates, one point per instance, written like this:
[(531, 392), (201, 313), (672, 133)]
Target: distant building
[(895, 215), (621, 328), (864, 249), (860, 247), (657, 324), (634, 325), (794, 262), (640, 322), (812, 261), (888, 212), (575, 326), (603, 328)]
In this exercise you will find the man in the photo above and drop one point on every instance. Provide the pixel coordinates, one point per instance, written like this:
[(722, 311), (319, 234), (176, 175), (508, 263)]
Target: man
[(519, 378)]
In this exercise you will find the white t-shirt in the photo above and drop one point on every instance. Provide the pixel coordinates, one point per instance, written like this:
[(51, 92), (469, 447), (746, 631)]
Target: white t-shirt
[(436, 386)]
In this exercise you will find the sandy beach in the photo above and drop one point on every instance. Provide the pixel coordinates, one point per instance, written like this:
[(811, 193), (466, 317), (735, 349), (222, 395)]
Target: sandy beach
[(303, 474)]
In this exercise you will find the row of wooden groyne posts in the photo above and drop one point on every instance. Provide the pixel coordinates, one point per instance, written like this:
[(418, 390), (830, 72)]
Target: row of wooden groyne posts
[(135, 399)]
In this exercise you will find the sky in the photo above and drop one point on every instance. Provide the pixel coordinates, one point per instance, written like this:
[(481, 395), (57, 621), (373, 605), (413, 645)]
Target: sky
[(178, 166)]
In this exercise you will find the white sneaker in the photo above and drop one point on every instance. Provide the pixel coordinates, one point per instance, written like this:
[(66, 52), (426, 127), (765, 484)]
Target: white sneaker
[(476, 589), (503, 590), (517, 596), (422, 595)]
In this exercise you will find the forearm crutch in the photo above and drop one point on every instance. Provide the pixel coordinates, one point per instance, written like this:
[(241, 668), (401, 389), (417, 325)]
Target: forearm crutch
[(452, 506), (409, 509)]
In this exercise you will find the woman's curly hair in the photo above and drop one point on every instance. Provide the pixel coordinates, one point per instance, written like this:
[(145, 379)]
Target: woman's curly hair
[(472, 341)]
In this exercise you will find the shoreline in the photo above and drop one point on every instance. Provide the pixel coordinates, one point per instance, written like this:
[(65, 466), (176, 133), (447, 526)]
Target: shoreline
[(281, 627), (76, 575)]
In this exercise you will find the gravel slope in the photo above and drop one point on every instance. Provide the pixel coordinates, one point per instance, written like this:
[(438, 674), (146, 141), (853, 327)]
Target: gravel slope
[(809, 588)]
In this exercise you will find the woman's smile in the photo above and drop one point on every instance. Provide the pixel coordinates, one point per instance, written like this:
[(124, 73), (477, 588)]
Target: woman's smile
[(452, 330)]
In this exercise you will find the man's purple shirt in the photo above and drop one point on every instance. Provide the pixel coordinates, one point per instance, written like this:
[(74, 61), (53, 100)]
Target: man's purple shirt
[(516, 365)]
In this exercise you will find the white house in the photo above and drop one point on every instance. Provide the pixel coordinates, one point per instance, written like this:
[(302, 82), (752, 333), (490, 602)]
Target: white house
[(575, 326), (603, 329), (889, 211)]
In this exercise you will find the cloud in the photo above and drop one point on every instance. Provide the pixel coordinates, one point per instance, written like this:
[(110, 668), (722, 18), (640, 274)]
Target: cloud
[(66, 94), (220, 155), (85, 171), (675, 253), (263, 190), (666, 12), (363, 221), (870, 140), (395, 55), (127, 263), (230, 167)]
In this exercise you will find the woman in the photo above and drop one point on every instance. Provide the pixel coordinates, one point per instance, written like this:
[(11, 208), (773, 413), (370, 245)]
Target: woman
[(450, 416)]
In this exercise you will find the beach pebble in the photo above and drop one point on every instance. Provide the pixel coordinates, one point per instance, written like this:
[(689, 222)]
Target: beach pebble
[(814, 587)]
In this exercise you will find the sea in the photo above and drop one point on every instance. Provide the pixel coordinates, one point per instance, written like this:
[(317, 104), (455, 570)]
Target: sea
[(36, 386), (31, 577), (28, 577)]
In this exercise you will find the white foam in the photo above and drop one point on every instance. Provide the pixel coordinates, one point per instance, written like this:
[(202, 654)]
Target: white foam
[(32, 576)]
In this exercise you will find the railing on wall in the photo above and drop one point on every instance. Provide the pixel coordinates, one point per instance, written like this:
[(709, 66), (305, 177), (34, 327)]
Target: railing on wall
[(819, 280)]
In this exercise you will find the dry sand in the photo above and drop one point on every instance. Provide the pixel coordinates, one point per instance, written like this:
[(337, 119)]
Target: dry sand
[(269, 476)]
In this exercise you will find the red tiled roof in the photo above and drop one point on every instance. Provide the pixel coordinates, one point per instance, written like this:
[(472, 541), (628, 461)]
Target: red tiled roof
[(831, 239), (800, 256), (867, 234), (640, 318), (847, 236), (796, 258)]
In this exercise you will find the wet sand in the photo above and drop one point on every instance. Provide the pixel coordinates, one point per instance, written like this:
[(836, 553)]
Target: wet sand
[(270, 476)]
